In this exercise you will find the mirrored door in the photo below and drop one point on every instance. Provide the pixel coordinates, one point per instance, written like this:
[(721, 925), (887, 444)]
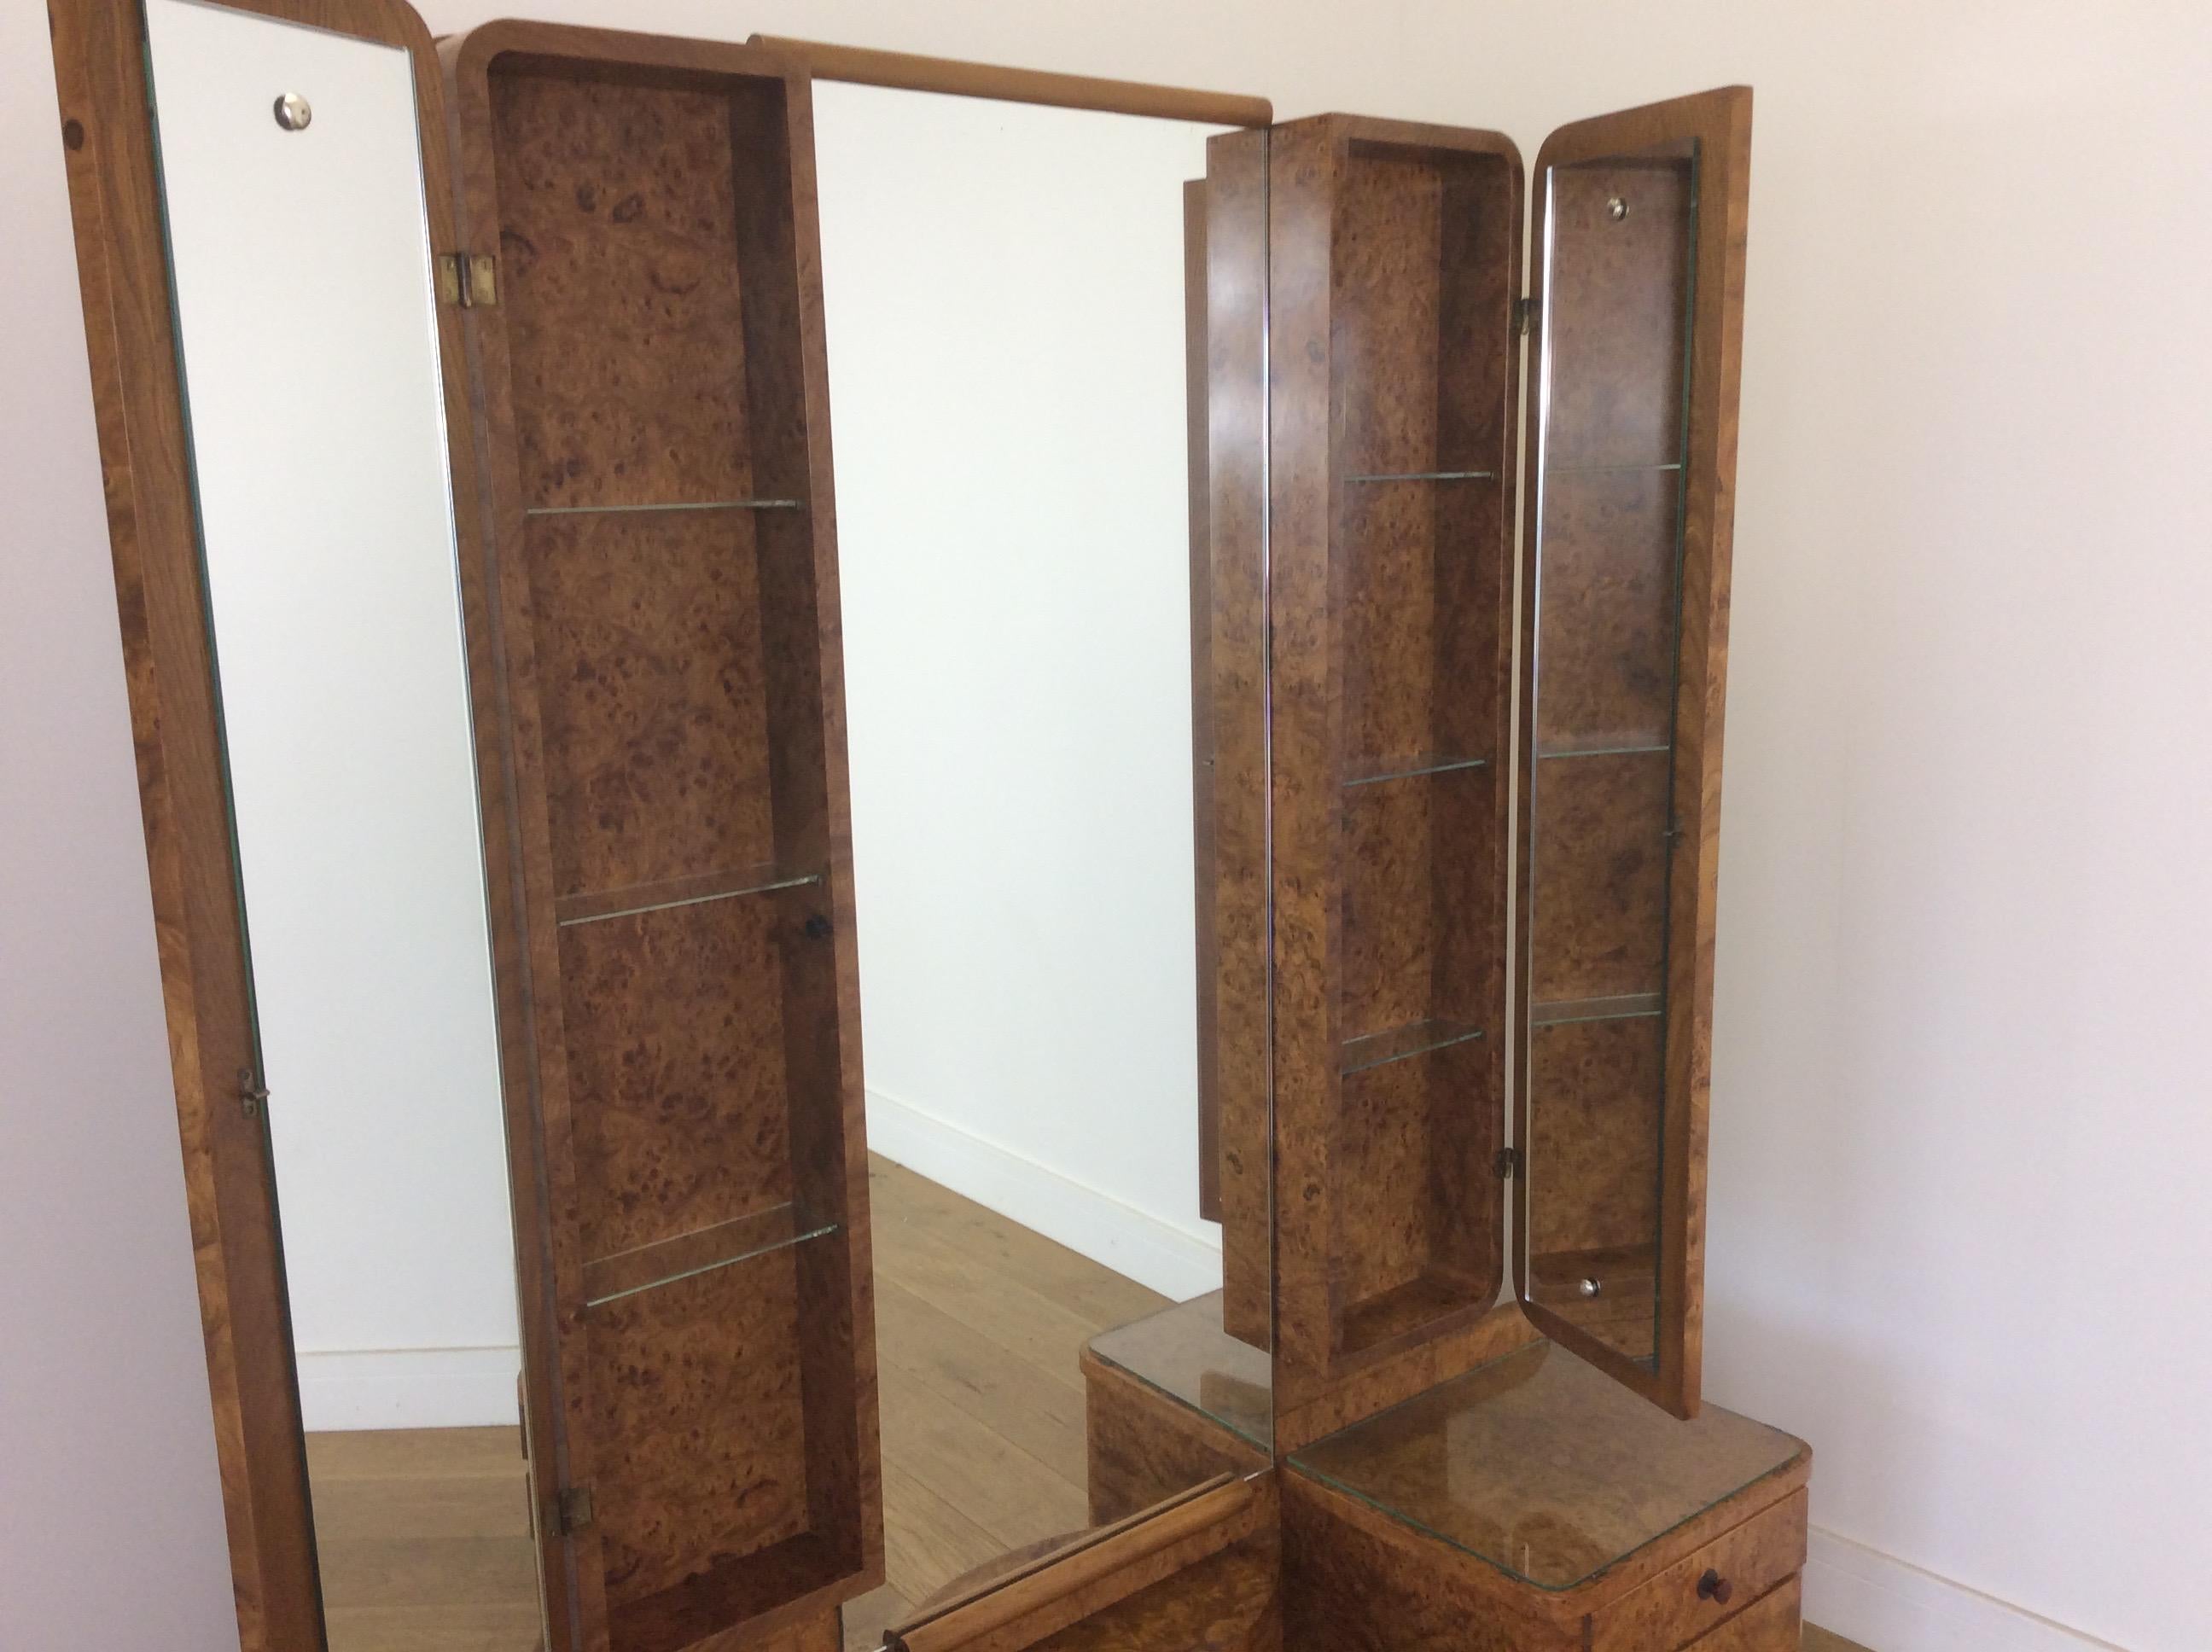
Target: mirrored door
[(297, 232), (1637, 295)]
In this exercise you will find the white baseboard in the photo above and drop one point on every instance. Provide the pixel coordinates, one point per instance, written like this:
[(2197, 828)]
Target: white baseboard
[(1890, 1606), (409, 1387), (1178, 1262)]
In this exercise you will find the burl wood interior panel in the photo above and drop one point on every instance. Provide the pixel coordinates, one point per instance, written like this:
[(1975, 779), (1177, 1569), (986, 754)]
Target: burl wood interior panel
[(699, 1380), (657, 342), (1422, 1226), (619, 212), (675, 1021), (655, 696), (1419, 274)]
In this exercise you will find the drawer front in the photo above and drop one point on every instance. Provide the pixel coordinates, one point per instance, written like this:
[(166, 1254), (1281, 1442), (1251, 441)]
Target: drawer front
[(1773, 1624), (1704, 1589)]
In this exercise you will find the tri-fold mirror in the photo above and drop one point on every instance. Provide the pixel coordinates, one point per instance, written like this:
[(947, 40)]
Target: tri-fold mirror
[(1212, 758)]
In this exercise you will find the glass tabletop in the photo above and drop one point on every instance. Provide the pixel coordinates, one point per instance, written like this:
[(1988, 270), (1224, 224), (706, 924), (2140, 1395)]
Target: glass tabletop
[(1183, 1352), (1544, 1467)]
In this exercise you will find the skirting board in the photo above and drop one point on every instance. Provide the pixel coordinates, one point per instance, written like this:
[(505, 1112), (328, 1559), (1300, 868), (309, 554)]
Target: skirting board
[(1175, 1261), (409, 1387), (1883, 1603)]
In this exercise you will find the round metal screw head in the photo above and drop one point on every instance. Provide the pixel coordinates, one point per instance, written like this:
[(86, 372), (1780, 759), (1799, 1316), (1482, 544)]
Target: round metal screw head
[(293, 112), (1590, 1287), (1616, 209)]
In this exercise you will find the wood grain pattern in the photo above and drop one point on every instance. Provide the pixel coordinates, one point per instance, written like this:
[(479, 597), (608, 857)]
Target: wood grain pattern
[(1145, 1447), (1599, 924), (1098, 1572), (1238, 698), (1763, 1553), (1393, 252), (115, 206), (675, 1021), (654, 695), (1773, 1625), (700, 1380), (956, 78), (1618, 299), (1355, 1577), (1606, 623), (657, 195), (1593, 1147), (1228, 1602)]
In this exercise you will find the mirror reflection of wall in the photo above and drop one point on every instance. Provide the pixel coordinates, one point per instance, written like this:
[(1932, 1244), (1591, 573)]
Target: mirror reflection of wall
[(1004, 294), (300, 259)]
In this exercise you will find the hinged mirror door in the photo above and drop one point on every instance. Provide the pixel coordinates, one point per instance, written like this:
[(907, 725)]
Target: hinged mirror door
[(1637, 304)]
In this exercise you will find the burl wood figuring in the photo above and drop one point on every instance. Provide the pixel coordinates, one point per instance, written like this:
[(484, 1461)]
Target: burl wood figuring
[(1397, 472), (1394, 257), (657, 452)]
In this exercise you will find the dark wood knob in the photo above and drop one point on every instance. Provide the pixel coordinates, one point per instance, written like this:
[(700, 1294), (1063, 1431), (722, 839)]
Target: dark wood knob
[(1715, 1588)]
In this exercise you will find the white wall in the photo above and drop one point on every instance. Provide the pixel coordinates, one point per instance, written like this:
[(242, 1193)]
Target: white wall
[(1957, 1236), (1003, 289), (111, 1524)]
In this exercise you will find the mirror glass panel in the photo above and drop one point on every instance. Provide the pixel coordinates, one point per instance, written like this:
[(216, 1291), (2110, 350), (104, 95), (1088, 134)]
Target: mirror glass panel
[(302, 276), (1613, 433), (1016, 303)]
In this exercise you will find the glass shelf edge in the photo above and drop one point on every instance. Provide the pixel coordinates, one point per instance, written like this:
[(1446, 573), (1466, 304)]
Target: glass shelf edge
[(1448, 1035), (649, 510), (1425, 475), (1412, 767), (752, 1253)]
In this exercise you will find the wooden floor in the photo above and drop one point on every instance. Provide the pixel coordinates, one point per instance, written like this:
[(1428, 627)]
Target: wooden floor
[(425, 1535)]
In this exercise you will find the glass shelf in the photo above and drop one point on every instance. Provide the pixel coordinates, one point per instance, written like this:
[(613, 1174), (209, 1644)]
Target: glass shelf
[(1183, 1352), (1623, 748), (648, 510), (1398, 1043), (1627, 1006), (691, 891), (1544, 1466), (1600, 469), (702, 1251), (1426, 475), (1369, 771)]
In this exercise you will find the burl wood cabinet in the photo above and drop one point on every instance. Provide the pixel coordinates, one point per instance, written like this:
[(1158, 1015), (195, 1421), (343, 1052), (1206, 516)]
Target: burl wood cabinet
[(1465, 538), (653, 438), (1496, 571)]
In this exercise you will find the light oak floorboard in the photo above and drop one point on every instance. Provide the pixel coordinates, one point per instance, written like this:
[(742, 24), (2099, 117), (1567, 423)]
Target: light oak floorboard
[(425, 1533)]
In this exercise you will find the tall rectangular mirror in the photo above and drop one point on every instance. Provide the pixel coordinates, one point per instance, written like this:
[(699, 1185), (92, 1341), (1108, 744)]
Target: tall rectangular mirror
[(1017, 307), (299, 252)]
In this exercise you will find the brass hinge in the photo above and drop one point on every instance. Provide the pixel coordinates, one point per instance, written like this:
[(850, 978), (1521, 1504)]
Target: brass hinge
[(1507, 1162), (468, 279), (575, 1511), (1524, 316)]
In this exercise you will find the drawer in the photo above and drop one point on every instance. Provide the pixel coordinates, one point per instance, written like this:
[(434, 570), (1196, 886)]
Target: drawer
[(1774, 1623), (1682, 1603)]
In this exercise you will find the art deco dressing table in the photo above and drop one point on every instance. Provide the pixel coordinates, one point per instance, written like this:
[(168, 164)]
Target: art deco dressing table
[(1460, 555)]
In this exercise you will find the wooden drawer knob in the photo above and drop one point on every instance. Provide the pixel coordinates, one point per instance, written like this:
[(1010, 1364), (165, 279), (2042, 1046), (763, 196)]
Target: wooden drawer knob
[(1715, 1588)]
